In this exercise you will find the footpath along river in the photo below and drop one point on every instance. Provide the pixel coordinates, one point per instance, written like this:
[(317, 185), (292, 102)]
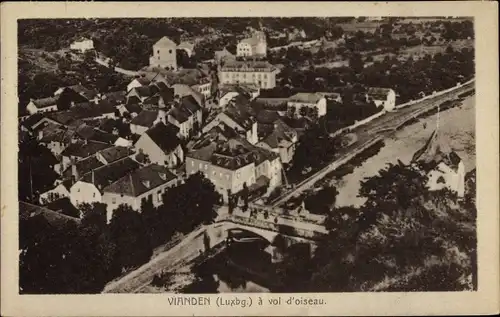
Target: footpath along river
[(456, 125)]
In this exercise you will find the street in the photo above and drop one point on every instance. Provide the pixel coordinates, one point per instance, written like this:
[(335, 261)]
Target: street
[(372, 132)]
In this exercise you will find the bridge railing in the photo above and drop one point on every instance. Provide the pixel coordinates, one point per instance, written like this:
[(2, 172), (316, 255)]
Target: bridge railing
[(276, 227)]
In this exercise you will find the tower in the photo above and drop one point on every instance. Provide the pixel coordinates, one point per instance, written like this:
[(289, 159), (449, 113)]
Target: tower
[(164, 54)]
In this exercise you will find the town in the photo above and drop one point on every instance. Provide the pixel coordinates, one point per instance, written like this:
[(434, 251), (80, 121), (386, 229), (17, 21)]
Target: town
[(274, 157)]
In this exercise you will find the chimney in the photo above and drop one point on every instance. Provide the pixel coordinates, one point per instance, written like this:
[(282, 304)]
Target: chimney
[(72, 103), (162, 116), (74, 172)]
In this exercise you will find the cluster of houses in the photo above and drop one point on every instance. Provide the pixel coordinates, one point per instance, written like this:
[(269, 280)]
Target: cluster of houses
[(125, 147)]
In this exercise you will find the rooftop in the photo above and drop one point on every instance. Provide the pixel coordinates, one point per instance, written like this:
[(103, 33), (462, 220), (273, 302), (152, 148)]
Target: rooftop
[(45, 102), (145, 118), (435, 151), (115, 153), (282, 134), (108, 174), (83, 166), (248, 66), (306, 97), (165, 42), (165, 136), (376, 92), (27, 210), (84, 149), (141, 180)]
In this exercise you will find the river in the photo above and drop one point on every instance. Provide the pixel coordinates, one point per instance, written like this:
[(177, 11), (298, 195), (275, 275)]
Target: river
[(456, 125), (242, 268)]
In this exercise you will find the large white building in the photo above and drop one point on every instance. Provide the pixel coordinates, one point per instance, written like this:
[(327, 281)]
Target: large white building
[(255, 46), (262, 74), (308, 101), (82, 45)]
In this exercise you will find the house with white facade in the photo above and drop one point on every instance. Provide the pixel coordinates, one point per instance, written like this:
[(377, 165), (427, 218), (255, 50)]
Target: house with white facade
[(382, 97), (282, 140), (443, 166), (82, 45), (164, 54), (186, 115), (146, 183), (308, 101), (232, 164), (89, 188), (162, 145), (254, 46), (238, 117), (42, 105), (260, 73)]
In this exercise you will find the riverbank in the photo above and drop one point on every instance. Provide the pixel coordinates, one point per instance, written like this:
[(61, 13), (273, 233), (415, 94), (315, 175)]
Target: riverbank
[(456, 124)]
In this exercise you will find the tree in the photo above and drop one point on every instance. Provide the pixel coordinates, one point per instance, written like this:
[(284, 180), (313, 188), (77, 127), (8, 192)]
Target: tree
[(129, 234), (356, 63)]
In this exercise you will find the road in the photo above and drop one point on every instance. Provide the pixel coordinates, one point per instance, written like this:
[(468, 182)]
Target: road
[(372, 132), (189, 249)]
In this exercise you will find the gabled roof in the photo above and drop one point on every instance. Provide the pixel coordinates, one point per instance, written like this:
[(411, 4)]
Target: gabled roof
[(187, 45), (184, 90), (241, 114), (143, 91), (64, 206), (133, 108), (282, 134), (378, 93), (435, 151), (27, 210), (115, 153), (89, 94), (232, 153), (82, 149), (248, 65), (107, 174), (90, 133), (306, 97), (179, 115), (165, 136), (145, 118), (83, 166), (190, 103), (141, 181), (45, 102), (116, 97), (165, 42)]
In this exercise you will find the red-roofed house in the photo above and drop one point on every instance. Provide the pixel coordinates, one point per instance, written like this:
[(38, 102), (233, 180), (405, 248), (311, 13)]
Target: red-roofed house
[(147, 183)]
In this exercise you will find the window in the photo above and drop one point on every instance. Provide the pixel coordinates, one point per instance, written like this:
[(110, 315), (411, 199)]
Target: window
[(200, 166), (158, 51), (238, 175), (78, 189), (93, 195), (220, 175), (159, 196), (170, 51), (206, 167), (113, 200), (214, 173), (192, 163)]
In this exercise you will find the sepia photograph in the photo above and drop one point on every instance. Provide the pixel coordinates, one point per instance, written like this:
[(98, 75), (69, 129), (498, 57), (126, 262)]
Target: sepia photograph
[(247, 155)]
